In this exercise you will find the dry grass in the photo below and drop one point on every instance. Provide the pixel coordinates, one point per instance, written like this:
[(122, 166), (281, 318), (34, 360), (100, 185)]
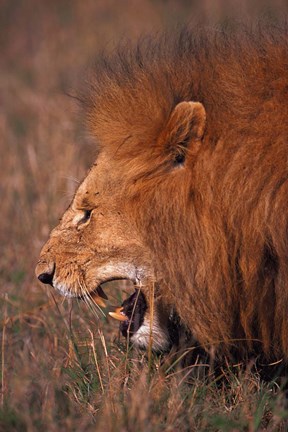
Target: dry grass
[(61, 367)]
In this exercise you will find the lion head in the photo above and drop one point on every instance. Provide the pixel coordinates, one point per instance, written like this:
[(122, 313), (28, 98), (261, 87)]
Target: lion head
[(96, 242), (189, 191)]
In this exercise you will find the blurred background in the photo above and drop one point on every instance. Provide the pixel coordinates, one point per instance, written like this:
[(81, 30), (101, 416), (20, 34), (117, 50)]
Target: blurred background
[(45, 47)]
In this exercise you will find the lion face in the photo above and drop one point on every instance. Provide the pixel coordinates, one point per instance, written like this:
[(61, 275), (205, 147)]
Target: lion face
[(95, 241), (99, 238)]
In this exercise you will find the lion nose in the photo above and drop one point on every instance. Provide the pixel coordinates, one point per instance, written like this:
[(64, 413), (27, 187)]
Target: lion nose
[(45, 271), (46, 278)]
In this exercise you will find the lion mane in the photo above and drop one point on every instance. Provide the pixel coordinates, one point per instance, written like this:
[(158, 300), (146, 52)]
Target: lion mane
[(217, 228)]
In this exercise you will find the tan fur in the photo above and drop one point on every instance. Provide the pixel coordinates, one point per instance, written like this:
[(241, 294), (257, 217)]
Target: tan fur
[(210, 229)]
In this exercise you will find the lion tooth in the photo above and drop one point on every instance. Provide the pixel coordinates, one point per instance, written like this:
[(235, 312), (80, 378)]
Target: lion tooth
[(118, 315), (98, 300)]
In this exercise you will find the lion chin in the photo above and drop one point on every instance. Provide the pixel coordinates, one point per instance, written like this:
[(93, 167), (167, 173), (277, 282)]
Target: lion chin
[(136, 323), (188, 195)]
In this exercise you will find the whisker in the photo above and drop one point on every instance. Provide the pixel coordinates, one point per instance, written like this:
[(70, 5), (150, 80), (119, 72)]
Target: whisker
[(85, 297), (89, 300)]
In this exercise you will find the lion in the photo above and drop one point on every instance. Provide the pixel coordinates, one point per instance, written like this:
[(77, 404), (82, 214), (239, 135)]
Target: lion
[(188, 195)]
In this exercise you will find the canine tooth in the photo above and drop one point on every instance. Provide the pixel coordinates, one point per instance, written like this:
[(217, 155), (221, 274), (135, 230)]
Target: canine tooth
[(118, 316), (98, 300)]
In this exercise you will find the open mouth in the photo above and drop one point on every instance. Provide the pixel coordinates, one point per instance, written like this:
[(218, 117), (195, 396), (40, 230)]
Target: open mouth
[(133, 308), (99, 297), (130, 313)]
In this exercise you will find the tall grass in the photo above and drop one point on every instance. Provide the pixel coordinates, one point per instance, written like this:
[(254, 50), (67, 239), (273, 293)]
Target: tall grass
[(63, 368)]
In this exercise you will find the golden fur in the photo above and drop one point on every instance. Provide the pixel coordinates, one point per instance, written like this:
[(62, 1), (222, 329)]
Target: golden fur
[(193, 130)]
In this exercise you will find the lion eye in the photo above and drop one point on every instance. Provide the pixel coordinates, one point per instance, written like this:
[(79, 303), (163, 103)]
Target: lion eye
[(86, 217)]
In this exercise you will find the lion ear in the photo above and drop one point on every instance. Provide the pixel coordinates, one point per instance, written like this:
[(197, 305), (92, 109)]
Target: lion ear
[(185, 126)]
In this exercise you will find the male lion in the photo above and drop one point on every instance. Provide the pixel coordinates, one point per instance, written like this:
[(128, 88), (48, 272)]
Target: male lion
[(188, 196)]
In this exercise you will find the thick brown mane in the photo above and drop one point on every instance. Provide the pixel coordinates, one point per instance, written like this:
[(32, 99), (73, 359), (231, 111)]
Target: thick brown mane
[(219, 237), (231, 72)]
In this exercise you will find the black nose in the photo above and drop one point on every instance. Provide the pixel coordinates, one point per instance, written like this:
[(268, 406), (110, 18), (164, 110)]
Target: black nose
[(46, 278)]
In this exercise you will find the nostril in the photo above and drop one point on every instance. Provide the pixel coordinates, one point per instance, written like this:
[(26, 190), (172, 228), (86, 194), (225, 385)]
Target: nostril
[(46, 278)]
